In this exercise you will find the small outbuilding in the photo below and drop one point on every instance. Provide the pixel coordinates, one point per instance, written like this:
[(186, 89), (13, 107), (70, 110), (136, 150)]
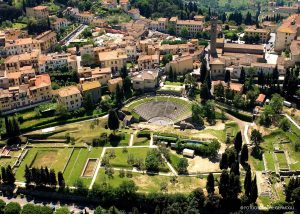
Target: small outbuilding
[(188, 153)]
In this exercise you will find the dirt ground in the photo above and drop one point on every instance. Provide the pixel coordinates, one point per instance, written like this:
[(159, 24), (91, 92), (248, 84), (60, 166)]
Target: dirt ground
[(200, 164), (89, 170)]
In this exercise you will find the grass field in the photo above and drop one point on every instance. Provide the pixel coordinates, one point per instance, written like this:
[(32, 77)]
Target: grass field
[(282, 161), (174, 159), (77, 162), (140, 141), (152, 183), (270, 161), (120, 161), (19, 25), (7, 161), (37, 157)]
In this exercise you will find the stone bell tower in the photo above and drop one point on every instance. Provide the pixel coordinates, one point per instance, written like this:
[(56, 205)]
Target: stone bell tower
[(213, 36)]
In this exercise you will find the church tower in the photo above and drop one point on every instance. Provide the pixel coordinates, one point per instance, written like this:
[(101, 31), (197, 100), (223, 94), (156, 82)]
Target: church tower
[(213, 36)]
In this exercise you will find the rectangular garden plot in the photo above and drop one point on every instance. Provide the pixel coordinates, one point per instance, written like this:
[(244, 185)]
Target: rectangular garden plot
[(89, 168)]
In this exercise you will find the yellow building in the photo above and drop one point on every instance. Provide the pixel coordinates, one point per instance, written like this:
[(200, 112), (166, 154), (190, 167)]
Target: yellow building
[(41, 88), (192, 26), (115, 60), (181, 65), (93, 88), (70, 97), (47, 41), (102, 75), (112, 84), (287, 32)]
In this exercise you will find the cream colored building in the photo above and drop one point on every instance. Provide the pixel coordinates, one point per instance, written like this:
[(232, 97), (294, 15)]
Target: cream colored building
[(112, 84), (192, 26), (181, 65), (41, 88), (102, 75), (59, 23), (264, 34), (70, 96), (145, 80), (47, 41), (217, 69), (148, 61), (295, 51), (20, 46), (287, 32), (115, 60)]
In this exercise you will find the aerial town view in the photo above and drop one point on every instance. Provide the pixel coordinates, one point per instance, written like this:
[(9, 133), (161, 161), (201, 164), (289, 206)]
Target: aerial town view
[(149, 106)]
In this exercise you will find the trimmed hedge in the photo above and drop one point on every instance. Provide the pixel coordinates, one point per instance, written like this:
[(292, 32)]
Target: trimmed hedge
[(239, 115), (145, 134)]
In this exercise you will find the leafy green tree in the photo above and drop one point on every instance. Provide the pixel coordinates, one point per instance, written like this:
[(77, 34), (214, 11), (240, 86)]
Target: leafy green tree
[(182, 166), (62, 210), (184, 33), (219, 91), (166, 58), (285, 124), (256, 137), (12, 208), (88, 102), (61, 110), (2, 206), (88, 60), (152, 161)]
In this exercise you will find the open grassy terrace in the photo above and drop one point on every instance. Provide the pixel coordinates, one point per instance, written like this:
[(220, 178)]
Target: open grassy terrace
[(53, 158), (152, 183), (77, 163)]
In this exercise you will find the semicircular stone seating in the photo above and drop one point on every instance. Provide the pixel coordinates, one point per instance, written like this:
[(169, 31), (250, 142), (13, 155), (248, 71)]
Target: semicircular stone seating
[(168, 109)]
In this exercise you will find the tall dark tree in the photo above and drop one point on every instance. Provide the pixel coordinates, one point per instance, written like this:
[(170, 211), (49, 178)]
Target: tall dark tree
[(113, 122), (210, 184), (238, 141), (203, 70), (247, 182), (204, 92), (119, 95), (242, 76), (224, 184), (61, 180), (27, 175), (10, 176), (253, 191), (224, 161), (127, 87), (53, 181), (235, 168), (244, 154), (227, 76)]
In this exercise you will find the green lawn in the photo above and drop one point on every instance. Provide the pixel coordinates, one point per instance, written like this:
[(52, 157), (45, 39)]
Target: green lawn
[(19, 25), (152, 183), (232, 129), (77, 162), (174, 159), (282, 161), (120, 161), (140, 141), (173, 83), (7, 161), (53, 158), (270, 161)]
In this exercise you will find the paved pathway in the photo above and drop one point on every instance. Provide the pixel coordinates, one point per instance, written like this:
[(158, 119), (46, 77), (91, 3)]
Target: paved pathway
[(98, 168), (292, 121)]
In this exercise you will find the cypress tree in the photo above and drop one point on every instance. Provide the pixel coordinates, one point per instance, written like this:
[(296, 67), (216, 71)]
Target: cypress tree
[(27, 175), (244, 154), (224, 184), (254, 191), (210, 185), (247, 182), (113, 120), (53, 181), (238, 141), (224, 161), (61, 180)]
